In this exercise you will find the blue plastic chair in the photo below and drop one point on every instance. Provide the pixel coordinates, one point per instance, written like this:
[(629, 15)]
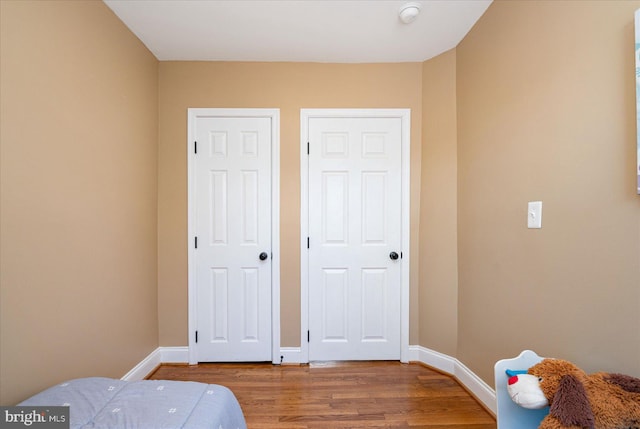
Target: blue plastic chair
[(509, 414)]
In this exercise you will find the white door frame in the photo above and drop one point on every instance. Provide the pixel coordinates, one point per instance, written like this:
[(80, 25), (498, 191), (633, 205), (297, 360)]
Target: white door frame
[(405, 116), (274, 115)]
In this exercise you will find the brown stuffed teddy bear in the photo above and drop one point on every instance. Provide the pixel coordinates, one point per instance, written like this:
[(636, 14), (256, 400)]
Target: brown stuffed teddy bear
[(578, 400)]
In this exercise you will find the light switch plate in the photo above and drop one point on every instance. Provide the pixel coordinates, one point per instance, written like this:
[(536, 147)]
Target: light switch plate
[(534, 215)]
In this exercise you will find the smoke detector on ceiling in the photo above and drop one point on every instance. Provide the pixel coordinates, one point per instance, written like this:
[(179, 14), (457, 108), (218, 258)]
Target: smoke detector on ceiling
[(409, 12)]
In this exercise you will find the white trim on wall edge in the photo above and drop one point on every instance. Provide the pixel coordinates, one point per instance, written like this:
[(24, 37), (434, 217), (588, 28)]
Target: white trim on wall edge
[(293, 355), (158, 356), (452, 366)]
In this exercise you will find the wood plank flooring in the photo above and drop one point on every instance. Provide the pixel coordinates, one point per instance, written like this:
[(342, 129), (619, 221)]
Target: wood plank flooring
[(341, 395)]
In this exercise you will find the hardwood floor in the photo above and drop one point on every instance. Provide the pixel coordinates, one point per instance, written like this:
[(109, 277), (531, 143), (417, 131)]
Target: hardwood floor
[(341, 395)]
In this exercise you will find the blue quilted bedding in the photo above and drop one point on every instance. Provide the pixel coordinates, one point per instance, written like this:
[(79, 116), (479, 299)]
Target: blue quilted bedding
[(101, 403)]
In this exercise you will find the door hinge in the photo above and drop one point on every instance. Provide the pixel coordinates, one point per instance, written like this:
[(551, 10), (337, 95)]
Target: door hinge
[(196, 336), (196, 242), (195, 147), (308, 337)]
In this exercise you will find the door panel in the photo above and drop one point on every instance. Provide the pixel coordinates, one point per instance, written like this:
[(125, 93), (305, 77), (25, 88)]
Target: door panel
[(335, 207), (354, 224)]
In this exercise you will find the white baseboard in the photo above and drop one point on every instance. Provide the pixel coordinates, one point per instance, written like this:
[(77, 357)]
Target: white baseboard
[(290, 355), (144, 368), (175, 354), (481, 390), (155, 358), (435, 359), (293, 355), (452, 366)]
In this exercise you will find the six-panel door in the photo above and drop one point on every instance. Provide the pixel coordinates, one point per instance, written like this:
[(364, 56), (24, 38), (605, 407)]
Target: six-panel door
[(354, 238), (233, 230)]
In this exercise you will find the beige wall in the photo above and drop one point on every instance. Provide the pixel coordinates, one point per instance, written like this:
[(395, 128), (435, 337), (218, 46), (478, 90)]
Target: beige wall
[(77, 196), (546, 111), (438, 292), (537, 103), (289, 87)]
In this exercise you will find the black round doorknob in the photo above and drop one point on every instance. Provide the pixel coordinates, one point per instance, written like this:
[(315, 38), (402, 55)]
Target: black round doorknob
[(393, 255), (263, 256)]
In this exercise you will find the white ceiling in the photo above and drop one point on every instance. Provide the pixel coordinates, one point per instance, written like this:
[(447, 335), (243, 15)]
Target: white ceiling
[(336, 31)]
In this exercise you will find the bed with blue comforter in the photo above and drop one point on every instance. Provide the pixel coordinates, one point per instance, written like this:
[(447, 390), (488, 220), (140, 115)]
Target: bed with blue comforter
[(101, 403)]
